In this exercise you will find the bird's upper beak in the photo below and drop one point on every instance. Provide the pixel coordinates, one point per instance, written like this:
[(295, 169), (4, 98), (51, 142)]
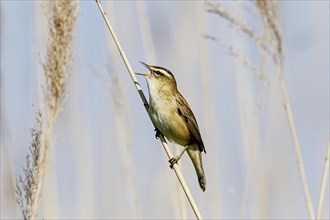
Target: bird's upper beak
[(144, 74), (146, 65)]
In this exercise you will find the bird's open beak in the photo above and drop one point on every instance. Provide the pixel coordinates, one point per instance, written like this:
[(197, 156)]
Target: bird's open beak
[(146, 65), (144, 74)]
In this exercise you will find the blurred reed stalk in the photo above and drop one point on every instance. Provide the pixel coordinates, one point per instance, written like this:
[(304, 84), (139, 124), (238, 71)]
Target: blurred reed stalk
[(7, 178), (268, 10), (122, 122), (273, 46), (61, 21), (209, 122), (323, 183), (123, 127), (145, 103)]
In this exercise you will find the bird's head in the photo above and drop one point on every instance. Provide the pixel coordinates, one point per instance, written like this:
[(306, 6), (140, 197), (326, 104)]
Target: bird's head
[(159, 76)]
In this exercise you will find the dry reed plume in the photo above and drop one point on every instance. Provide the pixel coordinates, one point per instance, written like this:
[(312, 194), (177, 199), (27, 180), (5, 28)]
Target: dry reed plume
[(27, 185), (61, 21)]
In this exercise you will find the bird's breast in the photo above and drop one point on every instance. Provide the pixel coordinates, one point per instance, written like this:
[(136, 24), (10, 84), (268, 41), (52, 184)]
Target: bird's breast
[(164, 114)]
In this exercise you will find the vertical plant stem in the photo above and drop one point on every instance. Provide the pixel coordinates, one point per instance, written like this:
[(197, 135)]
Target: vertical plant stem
[(323, 184), (268, 10), (145, 103), (296, 145)]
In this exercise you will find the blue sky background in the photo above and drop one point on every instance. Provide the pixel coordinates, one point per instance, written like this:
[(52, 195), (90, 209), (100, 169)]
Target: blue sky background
[(250, 164)]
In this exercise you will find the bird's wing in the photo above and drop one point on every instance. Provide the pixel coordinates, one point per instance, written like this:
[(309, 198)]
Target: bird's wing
[(188, 117)]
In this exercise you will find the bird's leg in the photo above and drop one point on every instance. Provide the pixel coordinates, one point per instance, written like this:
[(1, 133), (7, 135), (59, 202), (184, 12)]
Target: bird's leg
[(174, 160)]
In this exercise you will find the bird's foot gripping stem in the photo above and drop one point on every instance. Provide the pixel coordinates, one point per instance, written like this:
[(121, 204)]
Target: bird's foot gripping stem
[(173, 161), (157, 133)]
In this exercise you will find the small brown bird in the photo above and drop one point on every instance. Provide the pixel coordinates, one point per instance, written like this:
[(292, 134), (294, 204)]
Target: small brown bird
[(172, 116)]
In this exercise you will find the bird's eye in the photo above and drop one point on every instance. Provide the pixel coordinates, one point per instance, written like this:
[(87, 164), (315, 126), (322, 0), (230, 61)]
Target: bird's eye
[(157, 72)]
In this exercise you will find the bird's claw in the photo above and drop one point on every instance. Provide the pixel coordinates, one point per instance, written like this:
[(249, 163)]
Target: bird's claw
[(157, 133), (173, 161)]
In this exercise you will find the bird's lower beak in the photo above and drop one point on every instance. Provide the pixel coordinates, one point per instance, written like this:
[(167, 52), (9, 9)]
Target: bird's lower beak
[(142, 74)]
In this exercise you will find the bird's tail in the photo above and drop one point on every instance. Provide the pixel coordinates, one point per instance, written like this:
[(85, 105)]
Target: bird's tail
[(196, 158)]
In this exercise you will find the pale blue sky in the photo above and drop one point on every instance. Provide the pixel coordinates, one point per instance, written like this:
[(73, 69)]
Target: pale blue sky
[(85, 136)]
